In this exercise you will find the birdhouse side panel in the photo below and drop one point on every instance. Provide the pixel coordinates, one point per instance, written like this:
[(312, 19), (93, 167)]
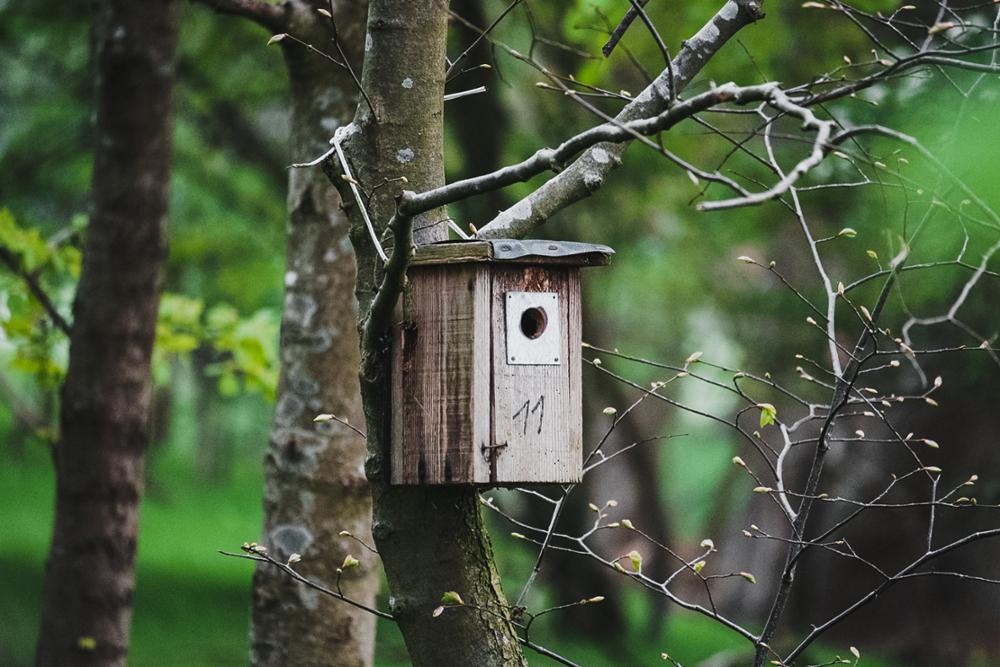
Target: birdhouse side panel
[(435, 428), (537, 421)]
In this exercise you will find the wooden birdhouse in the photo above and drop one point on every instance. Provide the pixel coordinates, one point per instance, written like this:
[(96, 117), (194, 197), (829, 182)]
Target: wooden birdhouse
[(486, 364)]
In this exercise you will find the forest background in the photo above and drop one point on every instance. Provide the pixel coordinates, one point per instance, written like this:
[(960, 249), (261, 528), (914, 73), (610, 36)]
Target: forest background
[(675, 287)]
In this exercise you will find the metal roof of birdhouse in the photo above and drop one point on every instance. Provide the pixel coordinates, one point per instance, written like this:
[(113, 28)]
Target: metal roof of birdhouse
[(518, 251)]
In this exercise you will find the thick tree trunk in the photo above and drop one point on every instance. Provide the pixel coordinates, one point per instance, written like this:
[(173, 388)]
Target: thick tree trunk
[(106, 396), (315, 483), (431, 539)]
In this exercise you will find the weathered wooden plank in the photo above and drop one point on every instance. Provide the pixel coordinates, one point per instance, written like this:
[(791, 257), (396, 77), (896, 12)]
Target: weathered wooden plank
[(574, 344), (433, 421), (396, 445), (452, 253), (482, 381), (537, 426)]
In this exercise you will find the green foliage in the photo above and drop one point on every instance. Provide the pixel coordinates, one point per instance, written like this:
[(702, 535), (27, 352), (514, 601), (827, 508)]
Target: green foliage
[(242, 351), (768, 413), (675, 285), (35, 346)]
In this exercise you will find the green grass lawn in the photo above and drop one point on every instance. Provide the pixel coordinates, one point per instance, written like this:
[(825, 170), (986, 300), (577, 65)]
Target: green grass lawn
[(192, 605)]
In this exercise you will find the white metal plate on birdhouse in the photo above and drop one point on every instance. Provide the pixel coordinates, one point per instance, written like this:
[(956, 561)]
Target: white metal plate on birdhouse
[(533, 336)]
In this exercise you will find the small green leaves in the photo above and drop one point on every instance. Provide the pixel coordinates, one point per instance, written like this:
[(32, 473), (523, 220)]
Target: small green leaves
[(610, 411), (349, 562), (627, 523), (86, 643), (749, 577), (699, 566), (452, 598), (449, 599), (692, 358), (768, 414), (636, 559), (276, 38), (294, 558), (707, 544), (762, 489), (848, 232)]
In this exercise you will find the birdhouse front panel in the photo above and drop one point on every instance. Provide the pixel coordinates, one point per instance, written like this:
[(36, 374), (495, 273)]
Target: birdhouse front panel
[(537, 422), (486, 363)]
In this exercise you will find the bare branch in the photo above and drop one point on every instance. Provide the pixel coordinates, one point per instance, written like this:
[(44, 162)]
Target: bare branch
[(616, 35), (589, 171)]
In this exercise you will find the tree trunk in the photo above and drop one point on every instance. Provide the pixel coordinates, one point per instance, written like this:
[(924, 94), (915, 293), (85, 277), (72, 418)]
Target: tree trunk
[(105, 406), (431, 539), (315, 483), (482, 152)]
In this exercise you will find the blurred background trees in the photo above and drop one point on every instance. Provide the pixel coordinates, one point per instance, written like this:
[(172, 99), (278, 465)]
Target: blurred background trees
[(674, 288)]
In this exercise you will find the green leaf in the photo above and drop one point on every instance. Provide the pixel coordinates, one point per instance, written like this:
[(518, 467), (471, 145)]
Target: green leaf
[(636, 559), (452, 598), (768, 413)]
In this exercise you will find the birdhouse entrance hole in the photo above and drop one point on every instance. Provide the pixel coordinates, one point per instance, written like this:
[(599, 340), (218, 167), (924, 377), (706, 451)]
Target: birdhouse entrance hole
[(533, 322)]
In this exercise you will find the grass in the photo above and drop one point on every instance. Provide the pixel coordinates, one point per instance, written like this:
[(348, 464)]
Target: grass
[(192, 605)]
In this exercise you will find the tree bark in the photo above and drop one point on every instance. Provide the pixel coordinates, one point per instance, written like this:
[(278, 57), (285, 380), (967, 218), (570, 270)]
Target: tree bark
[(315, 483), (431, 539), (104, 422)]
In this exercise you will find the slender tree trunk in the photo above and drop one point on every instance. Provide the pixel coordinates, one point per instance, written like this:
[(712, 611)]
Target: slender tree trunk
[(105, 405), (482, 152), (315, 483), (431, 539)]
